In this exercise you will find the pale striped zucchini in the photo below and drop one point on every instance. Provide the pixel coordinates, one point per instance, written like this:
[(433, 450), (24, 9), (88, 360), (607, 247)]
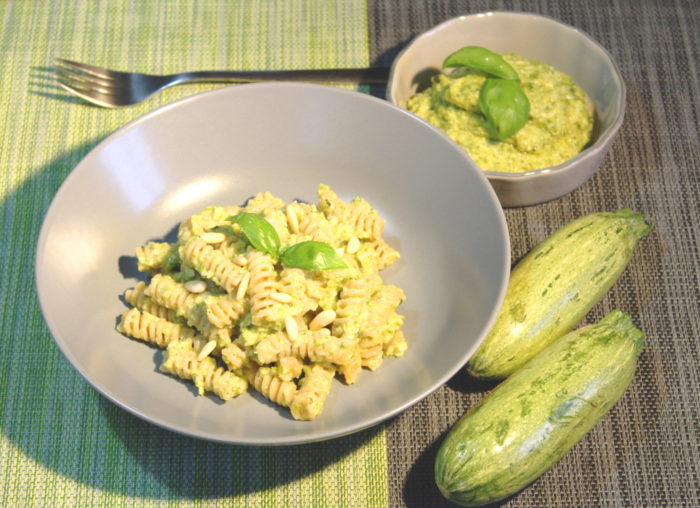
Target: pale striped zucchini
[(528, 422), (555, 285)]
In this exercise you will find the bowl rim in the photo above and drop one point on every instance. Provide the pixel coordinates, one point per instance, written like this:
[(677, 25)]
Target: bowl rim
[(347, 429), (605, 137)]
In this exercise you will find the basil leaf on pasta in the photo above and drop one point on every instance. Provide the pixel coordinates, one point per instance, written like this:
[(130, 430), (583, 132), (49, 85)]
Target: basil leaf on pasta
[(312, 255), (260, 233), (481, 59)]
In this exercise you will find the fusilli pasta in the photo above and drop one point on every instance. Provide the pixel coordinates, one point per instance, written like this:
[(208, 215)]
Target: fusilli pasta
[(231, 317)]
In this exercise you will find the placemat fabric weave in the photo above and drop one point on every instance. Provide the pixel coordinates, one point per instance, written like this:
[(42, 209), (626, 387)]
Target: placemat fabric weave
[(646, 452), (62, 444)]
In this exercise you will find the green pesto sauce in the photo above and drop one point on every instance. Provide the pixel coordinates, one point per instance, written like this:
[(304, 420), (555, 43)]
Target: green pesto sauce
[(559, 126)]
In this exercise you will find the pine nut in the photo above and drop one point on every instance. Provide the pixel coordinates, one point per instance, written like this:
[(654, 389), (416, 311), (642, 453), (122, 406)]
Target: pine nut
[(281, 297), (240, 260), (353, 245), (292, 218), (208, 348), (212, 237), (322, 319), (243, 287), (290, 324), (196, 286)]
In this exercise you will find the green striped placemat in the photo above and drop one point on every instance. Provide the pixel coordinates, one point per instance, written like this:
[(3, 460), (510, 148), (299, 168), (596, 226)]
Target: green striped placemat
[(61, 443)]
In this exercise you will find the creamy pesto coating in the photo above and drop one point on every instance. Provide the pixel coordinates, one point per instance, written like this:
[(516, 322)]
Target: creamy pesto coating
[(559, 127), (257, 320)]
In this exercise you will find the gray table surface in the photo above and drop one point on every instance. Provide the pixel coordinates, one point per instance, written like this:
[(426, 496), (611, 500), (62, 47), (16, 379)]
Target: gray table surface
[(646, 452)]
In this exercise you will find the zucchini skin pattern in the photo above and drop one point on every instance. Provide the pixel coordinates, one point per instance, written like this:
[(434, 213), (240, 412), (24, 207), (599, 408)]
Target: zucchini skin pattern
[(529, 421), (554, 287)]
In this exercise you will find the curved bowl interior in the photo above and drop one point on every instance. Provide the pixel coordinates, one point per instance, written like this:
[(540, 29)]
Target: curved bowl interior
[(224, 146)]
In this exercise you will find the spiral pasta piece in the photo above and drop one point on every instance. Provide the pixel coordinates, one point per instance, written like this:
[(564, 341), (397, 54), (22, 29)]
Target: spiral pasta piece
[(278, 220), (273, 388), (382, 321), (365, 221), (381, 325), (351, 369), (209, 377), (304, 291), (303, 346), (263, 202), (289, 368), (315, 226), (263, 284), (152, 329), (165, 291), (368, 224), (313, 391), (271, 347), (181, 360), (385, 253), (205, 220), (234, 356), (212, 264), (320, 347), (351, 307), (371, 353), (396, 347), (231, 247), (136, 297), (198, 317), (224, 310), (157, 257)]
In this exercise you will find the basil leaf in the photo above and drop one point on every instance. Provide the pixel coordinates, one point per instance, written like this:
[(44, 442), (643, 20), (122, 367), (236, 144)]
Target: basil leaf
[(260, 233), (311, 256), (481, 59), (505, 106)]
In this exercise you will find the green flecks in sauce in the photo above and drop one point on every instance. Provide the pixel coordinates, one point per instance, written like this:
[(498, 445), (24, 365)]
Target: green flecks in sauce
[(559, 126)]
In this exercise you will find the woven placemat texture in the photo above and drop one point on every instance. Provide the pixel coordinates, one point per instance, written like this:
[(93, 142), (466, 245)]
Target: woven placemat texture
[(646, 452), (62, 444)]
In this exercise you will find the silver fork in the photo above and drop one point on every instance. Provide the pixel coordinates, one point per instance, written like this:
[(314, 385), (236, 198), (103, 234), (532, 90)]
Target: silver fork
[(114, 89)]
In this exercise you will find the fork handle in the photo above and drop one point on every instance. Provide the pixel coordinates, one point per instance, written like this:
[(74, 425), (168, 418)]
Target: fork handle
[(367, 75)]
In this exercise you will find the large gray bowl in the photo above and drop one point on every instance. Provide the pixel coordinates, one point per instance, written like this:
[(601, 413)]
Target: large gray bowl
[(533, 36), (224, 146)]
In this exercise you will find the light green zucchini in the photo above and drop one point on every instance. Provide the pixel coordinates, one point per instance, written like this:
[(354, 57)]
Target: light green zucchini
[(529, 421), (555, 285)]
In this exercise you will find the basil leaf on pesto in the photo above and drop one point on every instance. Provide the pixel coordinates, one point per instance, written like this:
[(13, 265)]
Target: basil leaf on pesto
[(505, 106), (260, 233), (481, 59), (312, 255)]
